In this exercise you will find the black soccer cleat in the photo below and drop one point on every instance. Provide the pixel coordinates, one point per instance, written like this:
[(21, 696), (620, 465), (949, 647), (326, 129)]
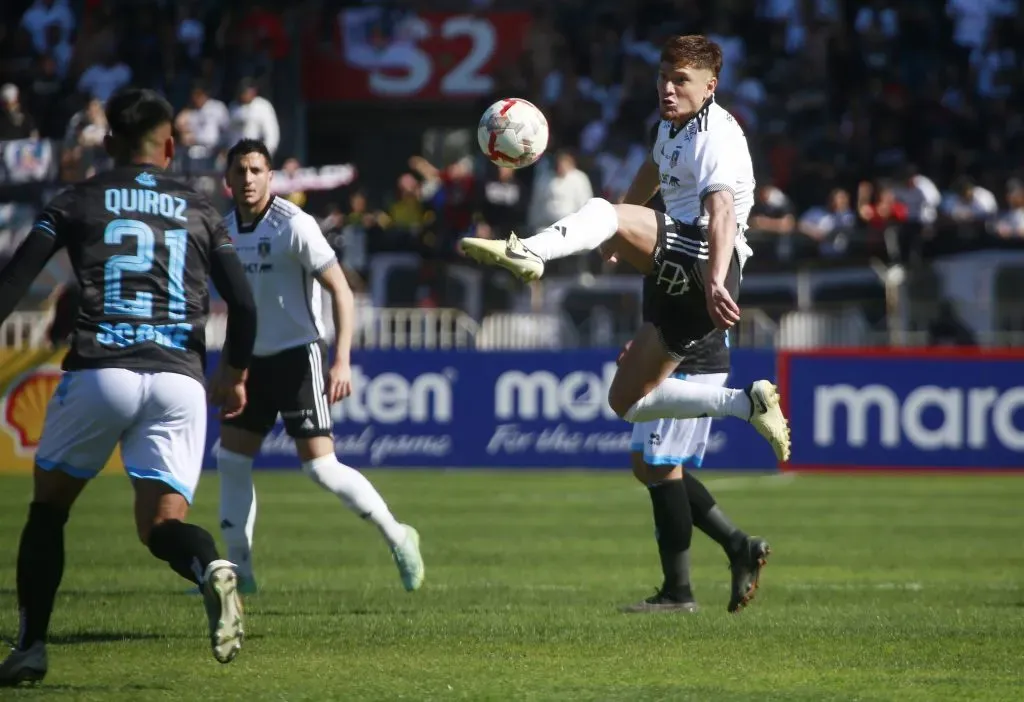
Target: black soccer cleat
[(746, 568), (663, 601)]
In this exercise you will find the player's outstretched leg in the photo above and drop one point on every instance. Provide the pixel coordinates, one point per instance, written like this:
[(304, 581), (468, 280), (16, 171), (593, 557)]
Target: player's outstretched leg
[(642, 391), (747, 554), (584, 230), (673, 529), (358, 494)]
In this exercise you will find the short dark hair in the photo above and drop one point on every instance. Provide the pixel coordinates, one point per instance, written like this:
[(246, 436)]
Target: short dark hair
[(693, 51), (133, 114), (244, 147)]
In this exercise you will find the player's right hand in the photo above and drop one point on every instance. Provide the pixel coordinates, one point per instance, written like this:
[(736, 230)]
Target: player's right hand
[(724, 311), (233, 399), (227, 391)]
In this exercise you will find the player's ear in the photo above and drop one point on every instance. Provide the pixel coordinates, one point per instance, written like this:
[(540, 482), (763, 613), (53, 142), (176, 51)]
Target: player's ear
[(712, 84), (169, 149)]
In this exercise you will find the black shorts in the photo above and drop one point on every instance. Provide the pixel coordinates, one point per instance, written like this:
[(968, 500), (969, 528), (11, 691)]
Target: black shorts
[(291, 383), (676, 304)]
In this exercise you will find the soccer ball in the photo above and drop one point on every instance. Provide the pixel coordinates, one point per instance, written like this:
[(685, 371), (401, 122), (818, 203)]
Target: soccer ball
[(513, 133)]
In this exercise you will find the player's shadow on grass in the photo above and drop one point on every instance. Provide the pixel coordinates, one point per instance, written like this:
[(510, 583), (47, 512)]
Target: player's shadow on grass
[(92, 637), (359, 611), (46, 689)]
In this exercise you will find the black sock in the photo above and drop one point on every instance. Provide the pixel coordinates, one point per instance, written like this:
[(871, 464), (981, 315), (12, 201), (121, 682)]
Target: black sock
[(674, 532), (709, 518), (40, 569), (187, 548)]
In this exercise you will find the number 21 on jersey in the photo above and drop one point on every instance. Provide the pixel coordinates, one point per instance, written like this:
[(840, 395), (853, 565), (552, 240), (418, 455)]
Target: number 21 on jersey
[(117, 293)]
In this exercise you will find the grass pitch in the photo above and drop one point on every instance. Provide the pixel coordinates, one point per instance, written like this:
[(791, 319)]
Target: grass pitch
[(902, 588)]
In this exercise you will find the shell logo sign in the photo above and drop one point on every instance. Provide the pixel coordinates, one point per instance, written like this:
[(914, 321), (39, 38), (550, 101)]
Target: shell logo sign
[(25, 407), (28, 380)]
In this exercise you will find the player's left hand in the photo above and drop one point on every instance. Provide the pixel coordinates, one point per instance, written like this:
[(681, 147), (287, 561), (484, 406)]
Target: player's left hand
[(339, 383), (723, 309)]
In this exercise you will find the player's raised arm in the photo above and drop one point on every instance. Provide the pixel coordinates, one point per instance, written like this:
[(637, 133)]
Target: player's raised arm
[(30, 259), (316, 255)]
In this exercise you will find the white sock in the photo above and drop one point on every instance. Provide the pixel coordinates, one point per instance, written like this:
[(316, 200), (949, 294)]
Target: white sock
[(584, 230), (237, 508), (356, 492), (682, 399)]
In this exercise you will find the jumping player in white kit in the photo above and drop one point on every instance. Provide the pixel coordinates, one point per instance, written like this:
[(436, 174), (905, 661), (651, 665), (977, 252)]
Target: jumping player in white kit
[(694, 253), (289, 262)]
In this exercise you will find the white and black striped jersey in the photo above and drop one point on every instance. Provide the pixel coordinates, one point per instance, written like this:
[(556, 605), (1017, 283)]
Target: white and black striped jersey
[(706, 154), (282, 251)]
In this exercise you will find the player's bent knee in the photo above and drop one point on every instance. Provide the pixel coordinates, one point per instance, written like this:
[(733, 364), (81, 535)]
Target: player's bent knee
[(621, 400)]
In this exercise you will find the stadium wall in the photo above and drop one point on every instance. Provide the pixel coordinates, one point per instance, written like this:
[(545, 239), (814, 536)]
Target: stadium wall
[(867, 409)]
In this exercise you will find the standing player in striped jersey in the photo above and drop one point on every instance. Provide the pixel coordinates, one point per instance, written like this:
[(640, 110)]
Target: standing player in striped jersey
[(288, 262), (143, 247), (694, 253)]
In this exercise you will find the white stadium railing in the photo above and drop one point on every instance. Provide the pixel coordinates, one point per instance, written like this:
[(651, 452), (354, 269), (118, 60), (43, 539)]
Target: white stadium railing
[(450, 329)]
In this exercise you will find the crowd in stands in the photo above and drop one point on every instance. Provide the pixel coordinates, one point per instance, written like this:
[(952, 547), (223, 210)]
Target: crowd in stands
[(877, 126)]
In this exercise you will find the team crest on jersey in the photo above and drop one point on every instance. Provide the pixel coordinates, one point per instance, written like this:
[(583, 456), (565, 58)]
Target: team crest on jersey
[(146, 180), (675, 158), (263, 248)]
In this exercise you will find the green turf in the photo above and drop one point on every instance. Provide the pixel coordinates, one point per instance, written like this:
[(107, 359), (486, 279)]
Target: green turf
[(903, 588)]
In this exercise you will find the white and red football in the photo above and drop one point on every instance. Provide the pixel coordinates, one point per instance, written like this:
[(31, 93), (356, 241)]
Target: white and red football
[(513, 133)]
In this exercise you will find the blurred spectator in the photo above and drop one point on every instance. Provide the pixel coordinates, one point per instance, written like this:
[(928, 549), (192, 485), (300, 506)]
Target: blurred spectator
[(43, 14), (878, 207), (451, 190), (253, 117), (48, 100), (83, 142), (1011, 221), (15, 123), (558, 191), (103, 79), (968, 202), (831, 226), (771, 219), (995, 67), (58, 48), (502, 203), (920, 195), (407, 211), (204, 121), (191, 32)]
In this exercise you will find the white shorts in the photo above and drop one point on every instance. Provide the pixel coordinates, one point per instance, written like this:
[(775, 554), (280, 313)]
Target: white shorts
[(158, 418), (673, 442)]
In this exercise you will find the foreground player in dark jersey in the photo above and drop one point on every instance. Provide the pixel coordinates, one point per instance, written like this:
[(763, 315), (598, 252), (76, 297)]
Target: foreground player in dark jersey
[(142, 247)]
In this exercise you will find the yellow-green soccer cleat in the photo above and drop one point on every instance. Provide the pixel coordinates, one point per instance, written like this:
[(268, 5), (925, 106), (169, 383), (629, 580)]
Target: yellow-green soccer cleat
[(224, 610), (766, 416), (509, 254), (409, 560), (28, 666)]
